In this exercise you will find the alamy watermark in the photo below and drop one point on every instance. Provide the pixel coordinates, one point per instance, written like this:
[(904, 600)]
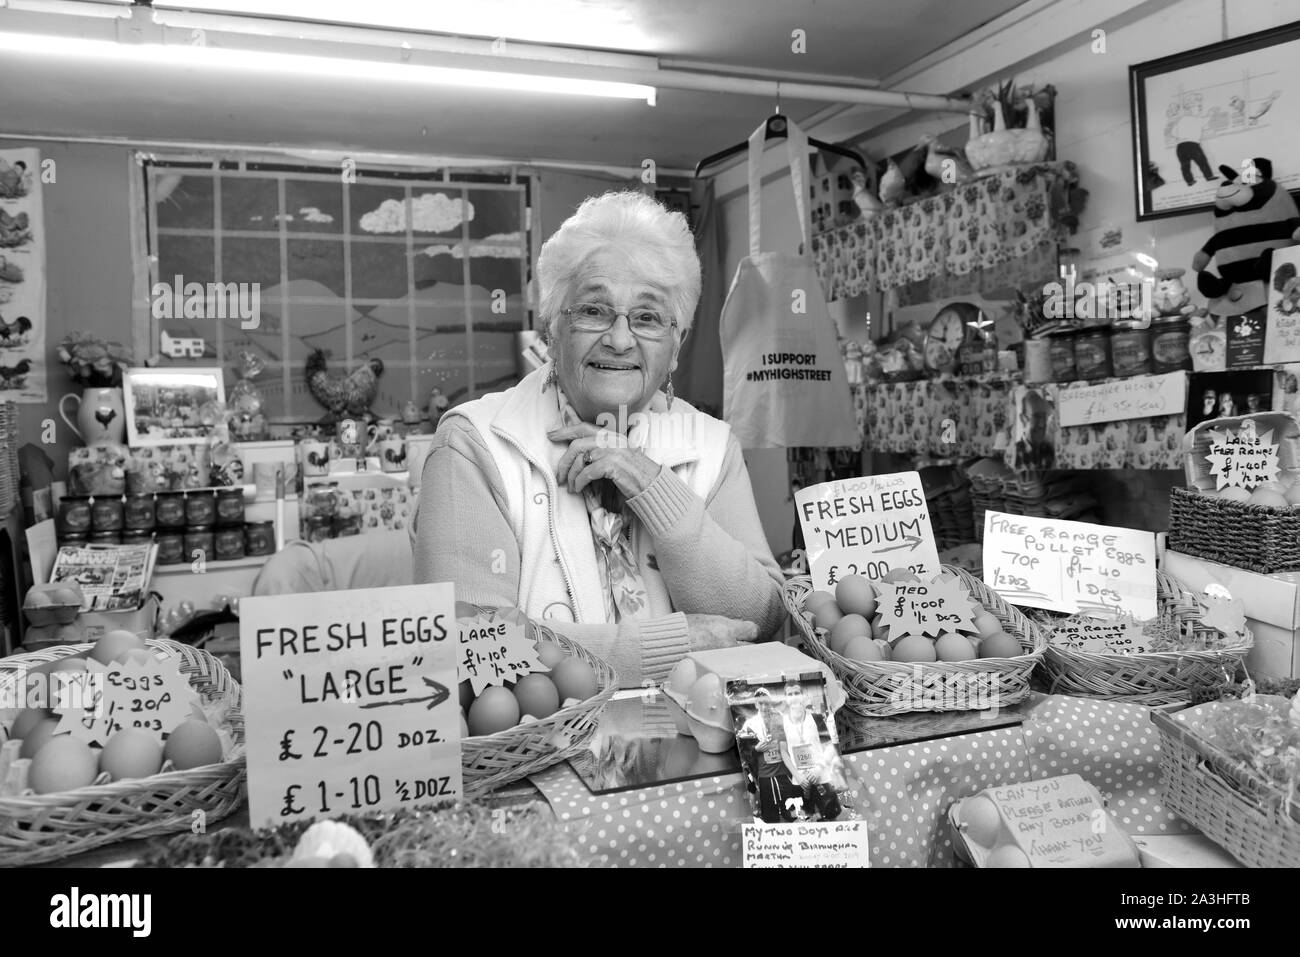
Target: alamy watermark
[(639, 430), (60, 690), (1105, 300), (213, 300)]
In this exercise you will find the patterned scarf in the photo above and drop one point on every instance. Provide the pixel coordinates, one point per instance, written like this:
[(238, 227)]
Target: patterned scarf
[(611, 531)]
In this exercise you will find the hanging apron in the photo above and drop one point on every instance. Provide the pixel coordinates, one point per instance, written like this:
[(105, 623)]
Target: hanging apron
[(784, 378)]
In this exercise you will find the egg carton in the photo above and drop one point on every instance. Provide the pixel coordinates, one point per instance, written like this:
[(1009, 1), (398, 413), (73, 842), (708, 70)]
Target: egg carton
[(696, 687), (42, 609)]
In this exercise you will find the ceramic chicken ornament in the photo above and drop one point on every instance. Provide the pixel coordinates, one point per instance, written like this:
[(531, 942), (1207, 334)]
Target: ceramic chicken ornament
[(945, 164), (892, 185), (862, 195)]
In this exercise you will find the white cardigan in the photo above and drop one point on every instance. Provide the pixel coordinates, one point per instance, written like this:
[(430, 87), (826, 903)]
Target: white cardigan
[(559, 572)]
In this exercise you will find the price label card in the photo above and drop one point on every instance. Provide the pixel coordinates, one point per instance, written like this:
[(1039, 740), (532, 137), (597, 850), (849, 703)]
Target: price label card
[(1137, 397), (349, 701), (866, 526), (495, 649), (1060, 822), (153, 696), (1070, 566), (1245, 458), (1101, 637), (838, 844), (925, 608)]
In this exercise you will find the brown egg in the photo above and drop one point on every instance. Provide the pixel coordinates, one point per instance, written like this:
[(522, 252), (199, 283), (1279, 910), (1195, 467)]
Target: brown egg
[(1000, 645), (827, 615), (574, 678), (855, 596), (114, 643), (951, 647), (63, 765), (862, 648), (192, 744), (816, 600), (40, 735), (494, 710), (28, 719), (915, 648), (536, 695), (846, 629)]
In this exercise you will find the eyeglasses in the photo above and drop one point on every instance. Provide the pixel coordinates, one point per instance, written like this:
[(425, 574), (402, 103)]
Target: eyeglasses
[(598, 317)]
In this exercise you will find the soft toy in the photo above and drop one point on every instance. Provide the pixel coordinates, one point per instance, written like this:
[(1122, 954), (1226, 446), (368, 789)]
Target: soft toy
[(1171, 297), (1252, 217)]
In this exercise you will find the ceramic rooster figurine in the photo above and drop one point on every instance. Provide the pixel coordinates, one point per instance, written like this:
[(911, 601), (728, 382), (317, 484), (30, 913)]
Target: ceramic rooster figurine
[(350, 393)]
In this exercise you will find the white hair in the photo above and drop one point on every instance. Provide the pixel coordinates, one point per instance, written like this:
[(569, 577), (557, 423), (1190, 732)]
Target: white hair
[(635, 225)]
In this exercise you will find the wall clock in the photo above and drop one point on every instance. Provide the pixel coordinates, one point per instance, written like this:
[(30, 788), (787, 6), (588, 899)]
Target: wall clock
[(949, 329)]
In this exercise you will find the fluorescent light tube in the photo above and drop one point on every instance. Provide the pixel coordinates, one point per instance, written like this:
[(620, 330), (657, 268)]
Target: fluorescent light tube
[(293, 64)]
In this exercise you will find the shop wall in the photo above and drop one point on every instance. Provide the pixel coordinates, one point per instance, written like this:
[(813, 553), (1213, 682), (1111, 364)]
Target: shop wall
[(1094, 130), (88, 266)]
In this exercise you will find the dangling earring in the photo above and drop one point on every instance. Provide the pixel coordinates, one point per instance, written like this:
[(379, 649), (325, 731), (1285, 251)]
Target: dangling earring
[(551, 379), (669, 391)]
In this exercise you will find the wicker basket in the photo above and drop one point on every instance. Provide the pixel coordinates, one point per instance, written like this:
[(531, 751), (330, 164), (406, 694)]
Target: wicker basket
[(1225, 799), (47, 827), (1261, 539), (881, 688), (1152, 678), (490, 761)]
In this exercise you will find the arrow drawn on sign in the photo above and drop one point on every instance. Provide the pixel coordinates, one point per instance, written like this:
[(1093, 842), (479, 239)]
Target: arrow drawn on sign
[(440, 694), (910, 542)]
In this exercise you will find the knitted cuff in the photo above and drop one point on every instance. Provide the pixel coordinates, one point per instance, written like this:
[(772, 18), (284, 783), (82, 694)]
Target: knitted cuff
[(663, 503), (664, 642)]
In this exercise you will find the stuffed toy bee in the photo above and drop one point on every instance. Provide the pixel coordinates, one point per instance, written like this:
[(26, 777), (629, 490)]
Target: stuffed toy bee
[(1252, 217)]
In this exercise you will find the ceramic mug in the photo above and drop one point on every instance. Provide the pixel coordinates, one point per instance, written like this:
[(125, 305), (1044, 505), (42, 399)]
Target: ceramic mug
[(314, 456), (392, 454)]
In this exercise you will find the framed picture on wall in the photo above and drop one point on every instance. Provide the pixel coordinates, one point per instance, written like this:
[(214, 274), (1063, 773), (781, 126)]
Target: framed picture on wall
[(172, 406), (1218, 105)]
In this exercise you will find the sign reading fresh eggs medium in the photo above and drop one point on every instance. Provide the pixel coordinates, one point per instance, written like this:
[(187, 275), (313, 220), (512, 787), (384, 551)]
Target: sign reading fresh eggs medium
[(349, 701), (1070, 566), (866, 526)]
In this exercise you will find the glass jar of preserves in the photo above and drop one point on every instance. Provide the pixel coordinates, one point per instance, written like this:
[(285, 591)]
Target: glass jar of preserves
[(171, 548), (136, 537), (74, 516), (1092, 352), (106, 514), (229, 543), (200, 508), (113, 537), (230, 506), (1062, 356), (169, 510), (259, 538), (1130, 349), (200, 539), (1169, 341), (139, 513)]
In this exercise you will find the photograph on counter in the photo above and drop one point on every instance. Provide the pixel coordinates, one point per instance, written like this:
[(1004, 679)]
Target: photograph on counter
[(789, 750), (172, 406)]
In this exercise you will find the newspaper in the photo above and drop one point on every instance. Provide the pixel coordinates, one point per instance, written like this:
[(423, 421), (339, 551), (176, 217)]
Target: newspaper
[(112, 577)]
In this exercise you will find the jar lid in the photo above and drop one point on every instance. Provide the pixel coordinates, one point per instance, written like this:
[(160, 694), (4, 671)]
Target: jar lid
[(199, 529), (270, 525), (1166, 320)]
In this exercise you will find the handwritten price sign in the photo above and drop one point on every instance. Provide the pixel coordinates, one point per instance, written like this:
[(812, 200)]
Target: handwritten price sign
[(1101, 637), (1244, 458), (866, 526), (349, 701), (153, 696), (925, 608), (494, 650)]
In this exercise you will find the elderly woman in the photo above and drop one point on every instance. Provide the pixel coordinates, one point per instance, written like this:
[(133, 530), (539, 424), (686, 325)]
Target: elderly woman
[(585, 495)]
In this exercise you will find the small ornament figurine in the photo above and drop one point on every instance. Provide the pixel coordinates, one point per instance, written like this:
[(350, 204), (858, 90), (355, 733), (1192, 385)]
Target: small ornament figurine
[(410, 413), (437, 406), (244, 404), (1171, 297)]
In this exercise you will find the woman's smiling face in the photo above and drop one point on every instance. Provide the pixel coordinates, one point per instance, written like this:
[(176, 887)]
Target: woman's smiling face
[(599, 372)]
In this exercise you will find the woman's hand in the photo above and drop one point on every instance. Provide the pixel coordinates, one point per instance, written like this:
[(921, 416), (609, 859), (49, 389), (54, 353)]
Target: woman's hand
[(595, 453), (714, 631)]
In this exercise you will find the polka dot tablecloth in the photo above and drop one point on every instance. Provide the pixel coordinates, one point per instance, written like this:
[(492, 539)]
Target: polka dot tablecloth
[(903, 791), (909, 789), (1113, 746), (691, 824)]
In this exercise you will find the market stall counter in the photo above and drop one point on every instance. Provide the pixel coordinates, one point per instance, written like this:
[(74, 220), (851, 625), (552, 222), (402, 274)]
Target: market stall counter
[(642, 795)]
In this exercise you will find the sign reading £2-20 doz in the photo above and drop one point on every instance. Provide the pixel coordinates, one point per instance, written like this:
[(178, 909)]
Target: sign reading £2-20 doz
[(867, 526), (350, 701)]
